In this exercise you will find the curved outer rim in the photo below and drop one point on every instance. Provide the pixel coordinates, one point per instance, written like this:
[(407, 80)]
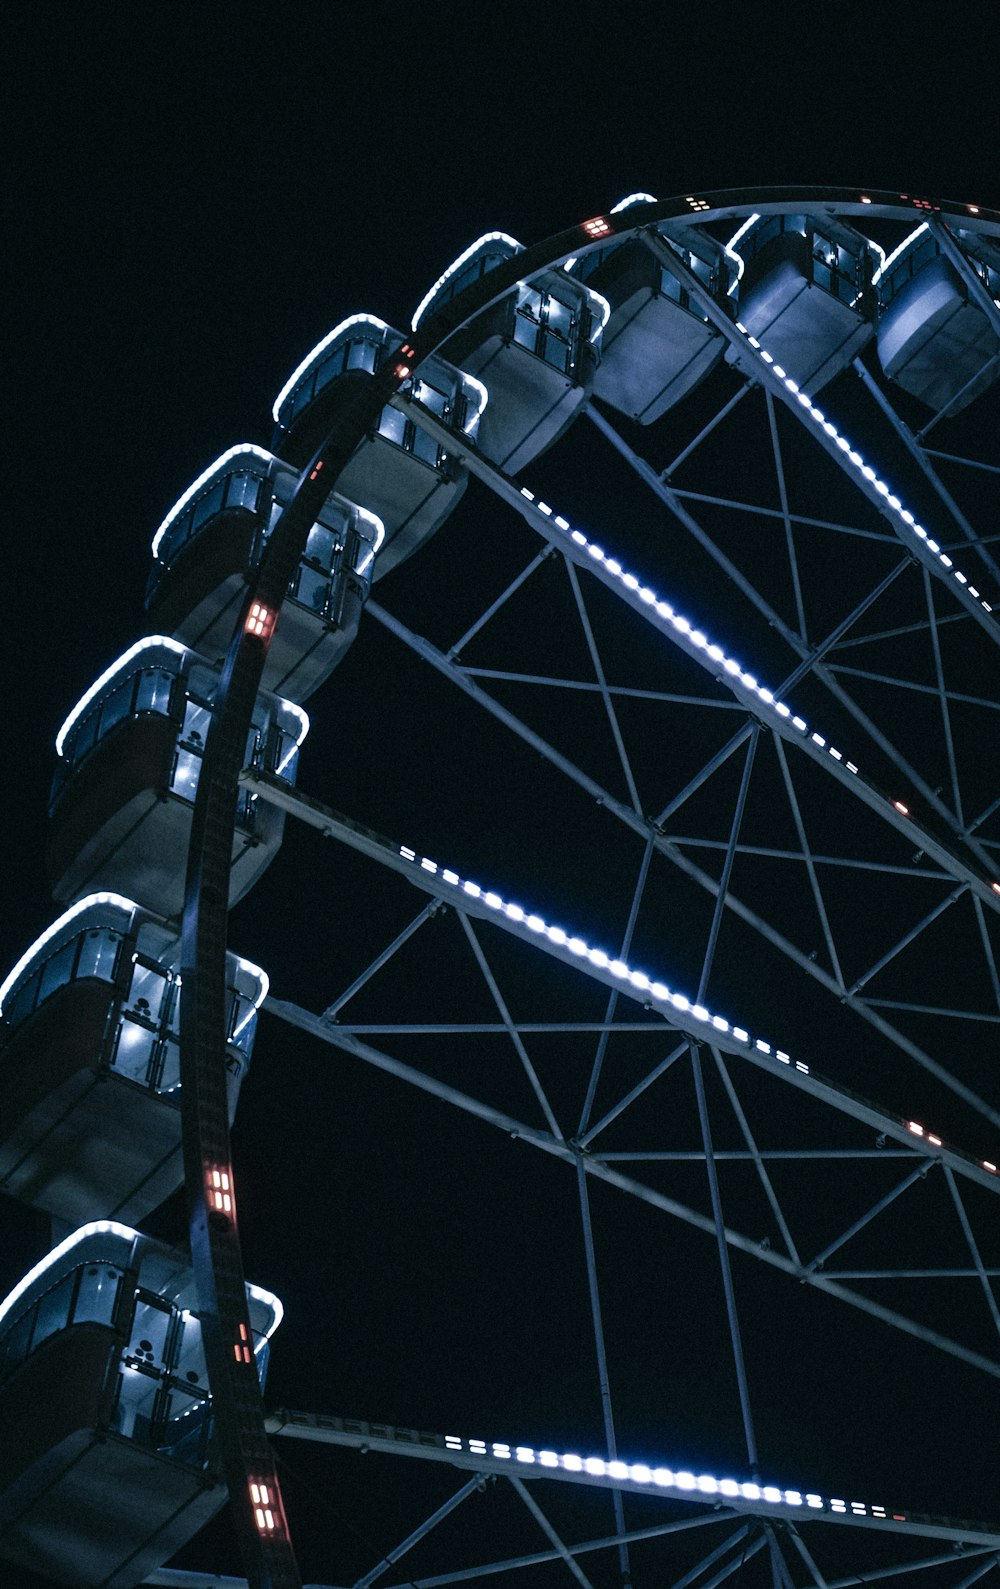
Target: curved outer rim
[(270, 1562)]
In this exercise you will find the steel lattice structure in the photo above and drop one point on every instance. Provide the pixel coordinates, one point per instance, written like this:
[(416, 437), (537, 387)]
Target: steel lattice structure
[(730, 999)]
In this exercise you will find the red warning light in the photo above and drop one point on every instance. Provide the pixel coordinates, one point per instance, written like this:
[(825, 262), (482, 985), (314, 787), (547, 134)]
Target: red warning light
[(898, 805), (220, 1191), (260, 621), (265, 1516), (241, 1348), (597, 227)]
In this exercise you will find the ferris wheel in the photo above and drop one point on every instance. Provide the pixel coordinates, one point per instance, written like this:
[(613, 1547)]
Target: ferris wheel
[(673, 916)]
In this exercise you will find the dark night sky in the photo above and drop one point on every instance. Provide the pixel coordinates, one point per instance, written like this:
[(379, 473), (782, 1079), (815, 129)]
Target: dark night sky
[(195, 195)]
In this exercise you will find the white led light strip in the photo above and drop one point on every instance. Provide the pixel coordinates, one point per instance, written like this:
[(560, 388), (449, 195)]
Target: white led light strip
[(218, 467), (693, 635), (865, 470), (456, 265), (166, 642), (683, 1481), (733, 670), (700, 1020), (313, 355)]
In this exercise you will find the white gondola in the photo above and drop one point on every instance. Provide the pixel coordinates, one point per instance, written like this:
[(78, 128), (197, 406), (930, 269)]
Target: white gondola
[(397, 471), (658, 344), (89, 1062), (934, 339), (537, 351), (805, 293), (130, 756), (108, 1464), (210, 544)]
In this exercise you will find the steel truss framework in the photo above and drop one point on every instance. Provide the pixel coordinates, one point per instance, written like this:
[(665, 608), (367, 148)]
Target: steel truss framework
[(769, 1015)]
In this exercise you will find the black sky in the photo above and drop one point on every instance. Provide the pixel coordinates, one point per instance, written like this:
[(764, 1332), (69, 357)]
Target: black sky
[(194, 196)]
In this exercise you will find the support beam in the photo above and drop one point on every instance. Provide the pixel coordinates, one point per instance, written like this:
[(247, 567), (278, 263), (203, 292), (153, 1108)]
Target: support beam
[(638, 1478), (483, 904)]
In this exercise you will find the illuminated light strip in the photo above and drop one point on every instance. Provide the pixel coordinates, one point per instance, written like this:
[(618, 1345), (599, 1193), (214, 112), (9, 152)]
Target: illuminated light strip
[(129, 905), (686, 1480), (889, 260), (456, 265), (730, 250), (311, 357), (633, 198), (109, 673), (865, 470), (218, 467), (97, 1227), (264, 984), (692, 634), (276, 1305), (378, 538), (731, 669), (51, 932), (651, 993), (482, 392), (605, 309)]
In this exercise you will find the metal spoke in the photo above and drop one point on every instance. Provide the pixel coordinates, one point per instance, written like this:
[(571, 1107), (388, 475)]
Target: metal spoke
[(603, 1171), (807, 858), (515, 585), (779, 470), (332, 1010), (612, 1005), (948, 739), (508, 1024), (732, 1315), (598, 666), (607, 1412), (866, 1219), (391, 1557), (973, 1246), (550, 1533), (756, 1156)]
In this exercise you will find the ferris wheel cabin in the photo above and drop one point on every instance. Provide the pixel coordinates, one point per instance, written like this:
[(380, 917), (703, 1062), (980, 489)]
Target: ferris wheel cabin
[(805, 293), (537, 351), (934, 339), (130, 754), (209, 547), (658, 344), (109, 1464), (403, 478), (89, 1062)]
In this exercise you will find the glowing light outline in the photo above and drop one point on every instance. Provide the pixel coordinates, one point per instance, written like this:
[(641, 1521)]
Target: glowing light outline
[(730, 251), (173, 645), (605, 310), (265, 986), (109, 673), (203, 479), (379, 538), (889, 260), (633, 198), (482, 392), (76, 1237), (456, 264), (126, 1233), (303, 368), (259, 1294), (56, 927), (687, 1480)]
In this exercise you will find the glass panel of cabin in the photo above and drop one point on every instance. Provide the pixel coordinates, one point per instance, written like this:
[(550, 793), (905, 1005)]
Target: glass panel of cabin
[(99, 949), (97, 1296)]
